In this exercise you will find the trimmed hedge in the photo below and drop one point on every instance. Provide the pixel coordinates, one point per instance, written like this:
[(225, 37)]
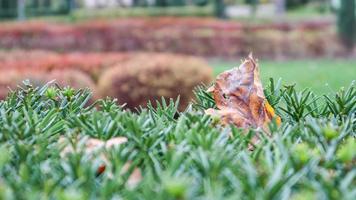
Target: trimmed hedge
[(157, 75), (193, 36), (150, 77), (69, 77), (180, 155), (91, 63)]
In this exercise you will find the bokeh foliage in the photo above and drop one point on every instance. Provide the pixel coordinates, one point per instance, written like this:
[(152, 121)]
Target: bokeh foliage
[(347, 22), (182, 155)]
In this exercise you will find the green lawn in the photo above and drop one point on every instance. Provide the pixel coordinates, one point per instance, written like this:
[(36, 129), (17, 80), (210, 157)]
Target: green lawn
[(321, 75), (79, 15), (302, 13)]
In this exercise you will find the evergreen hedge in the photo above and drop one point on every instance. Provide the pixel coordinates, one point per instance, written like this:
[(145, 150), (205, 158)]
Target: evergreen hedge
[(181, 155)]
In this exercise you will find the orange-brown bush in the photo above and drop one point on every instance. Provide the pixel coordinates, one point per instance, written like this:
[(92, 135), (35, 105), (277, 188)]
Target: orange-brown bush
[(133, 78), (74, 78), (36, 60), (150, 76)]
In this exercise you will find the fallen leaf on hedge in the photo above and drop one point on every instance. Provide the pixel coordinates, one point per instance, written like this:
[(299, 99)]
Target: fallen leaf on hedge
[(239, 97), (91, 145), (135, 176)]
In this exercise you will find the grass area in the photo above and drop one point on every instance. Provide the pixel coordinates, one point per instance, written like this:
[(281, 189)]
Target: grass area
[(79, 15), (321, 75), (298, 14), (82, 14), (144, 12), (310, 11)]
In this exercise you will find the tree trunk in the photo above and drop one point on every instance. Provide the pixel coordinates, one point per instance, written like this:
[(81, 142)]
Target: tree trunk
[(347, 23), (71, 5), (280, 6), (220, 9), (21, 10)]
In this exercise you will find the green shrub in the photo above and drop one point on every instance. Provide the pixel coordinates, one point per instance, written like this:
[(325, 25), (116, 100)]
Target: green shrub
[(182, 155)]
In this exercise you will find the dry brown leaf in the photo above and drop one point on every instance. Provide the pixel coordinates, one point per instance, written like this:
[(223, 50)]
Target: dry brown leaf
[(239, 97), (91, 145)]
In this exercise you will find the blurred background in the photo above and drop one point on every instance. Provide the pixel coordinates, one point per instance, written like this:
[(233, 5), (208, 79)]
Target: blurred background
[(139, 50)]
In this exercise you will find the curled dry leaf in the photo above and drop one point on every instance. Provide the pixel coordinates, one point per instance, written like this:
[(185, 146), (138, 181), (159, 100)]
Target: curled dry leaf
[(239, 97), (91, 145)]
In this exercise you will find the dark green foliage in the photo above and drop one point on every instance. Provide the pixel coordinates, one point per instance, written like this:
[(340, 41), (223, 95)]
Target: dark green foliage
[(273, 92), (8, 8), (343, 103), (219, 9), (182, 155), (290, 4), (253, 4), (201, 2), (204, 99), (347, 22)]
